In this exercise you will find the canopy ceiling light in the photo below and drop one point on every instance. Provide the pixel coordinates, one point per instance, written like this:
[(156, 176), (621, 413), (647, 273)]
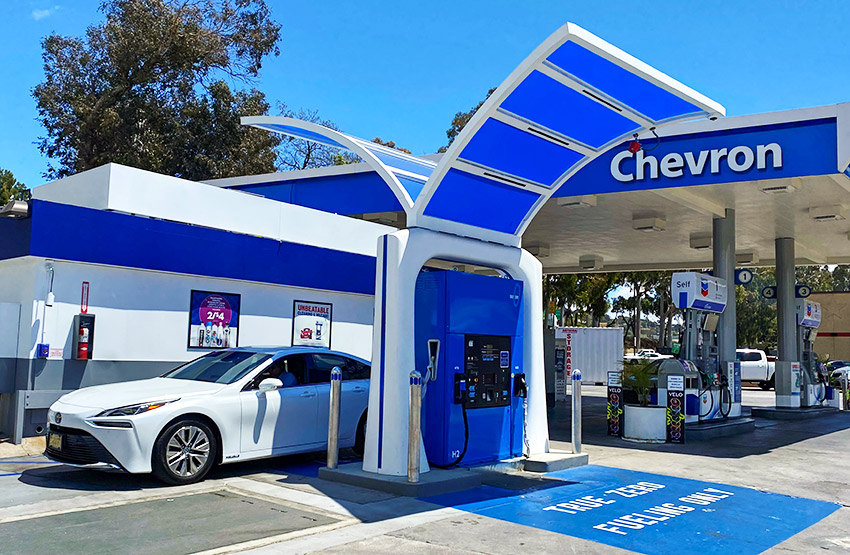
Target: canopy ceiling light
[(747, 258), (15, 209), (789, 186), (649, 224), (701, 240), (590, 262), (540, 250), (584, 201), (828, 213)]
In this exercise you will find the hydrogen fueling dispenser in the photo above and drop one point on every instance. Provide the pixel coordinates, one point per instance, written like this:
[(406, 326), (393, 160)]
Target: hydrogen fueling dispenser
[(812, 378), (469, 350), (702, 298)]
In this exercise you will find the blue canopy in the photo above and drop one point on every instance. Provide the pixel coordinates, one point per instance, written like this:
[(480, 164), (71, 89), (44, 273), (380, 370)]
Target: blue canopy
[(571, 100)]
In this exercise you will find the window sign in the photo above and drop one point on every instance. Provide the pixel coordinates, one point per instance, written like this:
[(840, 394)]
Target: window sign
[(213, 320), (311, 324)]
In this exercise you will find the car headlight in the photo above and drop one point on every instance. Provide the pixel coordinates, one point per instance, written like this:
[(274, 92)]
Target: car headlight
[(131, 410)]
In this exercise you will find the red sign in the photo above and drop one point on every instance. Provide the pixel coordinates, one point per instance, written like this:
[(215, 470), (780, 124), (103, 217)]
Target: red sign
[(84, 298)]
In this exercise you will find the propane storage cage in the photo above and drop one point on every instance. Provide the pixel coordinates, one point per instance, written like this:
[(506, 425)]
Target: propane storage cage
[(594, 351)]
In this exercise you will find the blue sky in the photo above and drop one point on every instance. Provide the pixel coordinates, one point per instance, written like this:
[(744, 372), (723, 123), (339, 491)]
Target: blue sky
[(401, 70)]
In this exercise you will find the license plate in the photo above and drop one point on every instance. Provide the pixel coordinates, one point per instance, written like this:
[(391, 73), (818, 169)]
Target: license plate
[(54, 441)]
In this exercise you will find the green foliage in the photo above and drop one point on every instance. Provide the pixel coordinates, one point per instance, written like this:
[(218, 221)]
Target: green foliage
[(460, 120), (144, 88), (579, 295), (11, 188), (639, 377)]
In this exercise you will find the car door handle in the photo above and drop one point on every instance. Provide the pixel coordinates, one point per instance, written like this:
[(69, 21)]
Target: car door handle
[(308, 394), (359, 389)]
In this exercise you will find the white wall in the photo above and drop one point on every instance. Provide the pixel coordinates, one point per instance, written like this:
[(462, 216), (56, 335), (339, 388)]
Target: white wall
[(17, 287), (143, 315), (134, 191)]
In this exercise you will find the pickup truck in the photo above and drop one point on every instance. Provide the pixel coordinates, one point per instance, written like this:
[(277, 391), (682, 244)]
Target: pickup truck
[(756, 367)]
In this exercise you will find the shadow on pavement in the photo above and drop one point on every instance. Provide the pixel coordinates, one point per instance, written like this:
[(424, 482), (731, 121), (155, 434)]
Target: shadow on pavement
[(767, 436)]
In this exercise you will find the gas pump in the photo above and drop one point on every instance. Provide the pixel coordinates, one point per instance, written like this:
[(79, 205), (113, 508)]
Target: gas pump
[(702, 298), (469, 345), (812, 378)]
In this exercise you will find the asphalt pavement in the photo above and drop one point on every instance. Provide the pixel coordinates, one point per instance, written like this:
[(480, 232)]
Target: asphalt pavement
[(782, 488)]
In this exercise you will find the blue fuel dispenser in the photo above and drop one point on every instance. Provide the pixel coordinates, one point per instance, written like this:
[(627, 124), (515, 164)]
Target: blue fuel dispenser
[(469, 348)]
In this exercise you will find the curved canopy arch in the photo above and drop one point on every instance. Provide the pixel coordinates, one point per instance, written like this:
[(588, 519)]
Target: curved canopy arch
[(571, 100), (574, 98), (405, 174)]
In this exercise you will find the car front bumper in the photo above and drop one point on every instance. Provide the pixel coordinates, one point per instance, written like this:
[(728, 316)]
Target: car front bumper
[(81, 439)]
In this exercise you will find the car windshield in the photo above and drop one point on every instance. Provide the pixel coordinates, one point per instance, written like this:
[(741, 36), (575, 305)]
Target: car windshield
[(219, 367), (751, 356)]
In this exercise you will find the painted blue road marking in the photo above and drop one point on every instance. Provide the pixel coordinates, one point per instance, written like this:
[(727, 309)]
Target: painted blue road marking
[(650, 513), (11, 474)]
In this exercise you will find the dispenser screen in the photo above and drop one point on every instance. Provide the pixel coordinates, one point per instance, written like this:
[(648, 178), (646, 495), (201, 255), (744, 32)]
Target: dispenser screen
[(488, 371)]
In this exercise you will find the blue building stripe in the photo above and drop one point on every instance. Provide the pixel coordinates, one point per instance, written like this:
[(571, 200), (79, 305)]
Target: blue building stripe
[(383, 349), (82, 234)]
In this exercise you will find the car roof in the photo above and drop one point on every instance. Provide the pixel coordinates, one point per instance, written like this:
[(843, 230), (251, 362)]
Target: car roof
[(278, 351)]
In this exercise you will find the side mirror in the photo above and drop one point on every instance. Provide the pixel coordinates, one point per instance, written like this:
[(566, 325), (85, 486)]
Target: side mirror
[(270, 384)]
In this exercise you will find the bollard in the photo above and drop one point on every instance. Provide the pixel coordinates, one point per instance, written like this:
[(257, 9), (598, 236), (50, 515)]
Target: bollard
[(333, 418), (576, 380), (413, 427), (845, 399)]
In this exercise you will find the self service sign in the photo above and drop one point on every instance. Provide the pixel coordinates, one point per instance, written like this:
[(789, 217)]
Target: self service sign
[(650, 513)]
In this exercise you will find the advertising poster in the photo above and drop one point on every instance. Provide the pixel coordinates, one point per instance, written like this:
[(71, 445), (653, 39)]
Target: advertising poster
[(311, 324), (560, 378), (615, 404), (675, 409), (213, 320)]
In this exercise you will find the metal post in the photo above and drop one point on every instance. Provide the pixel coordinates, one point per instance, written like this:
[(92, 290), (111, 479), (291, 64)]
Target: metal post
[(576, 379), (413, 427), (333, 418), (845, 401)]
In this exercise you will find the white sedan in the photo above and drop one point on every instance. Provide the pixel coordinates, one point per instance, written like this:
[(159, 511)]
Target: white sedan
[(646, 354), (226, 406)]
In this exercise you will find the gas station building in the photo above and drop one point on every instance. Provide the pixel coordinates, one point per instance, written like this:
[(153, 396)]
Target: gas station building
[(545, 178)]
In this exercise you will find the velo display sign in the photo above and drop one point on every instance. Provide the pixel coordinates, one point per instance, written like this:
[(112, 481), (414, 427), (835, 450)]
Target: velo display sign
[(675, 409), (615, 404)]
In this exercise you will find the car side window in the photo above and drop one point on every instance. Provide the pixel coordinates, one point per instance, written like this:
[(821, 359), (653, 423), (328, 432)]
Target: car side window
[(295, 365), (320, 371), (355, 370)]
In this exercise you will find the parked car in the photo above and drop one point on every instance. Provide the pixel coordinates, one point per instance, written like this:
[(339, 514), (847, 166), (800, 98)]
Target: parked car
[(226, 406), (755, 367), (646, 354), (838, 371)]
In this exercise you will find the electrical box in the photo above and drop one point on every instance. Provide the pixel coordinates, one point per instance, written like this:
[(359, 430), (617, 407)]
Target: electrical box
[(478, 387), (83, 335)]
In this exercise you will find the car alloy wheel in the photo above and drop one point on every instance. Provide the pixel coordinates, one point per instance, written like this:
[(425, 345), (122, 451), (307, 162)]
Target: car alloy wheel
[(187, 451)]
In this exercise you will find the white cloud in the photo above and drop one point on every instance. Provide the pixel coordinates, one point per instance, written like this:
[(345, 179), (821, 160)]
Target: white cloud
[(39, 14)]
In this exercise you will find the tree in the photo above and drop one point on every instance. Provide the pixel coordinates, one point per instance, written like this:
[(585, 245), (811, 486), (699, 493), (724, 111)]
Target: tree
[(11, 188), (144, 88), (298, 154), (460, 120)]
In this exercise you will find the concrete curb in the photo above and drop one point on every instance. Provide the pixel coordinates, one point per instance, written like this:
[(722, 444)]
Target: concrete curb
[(29, 447)]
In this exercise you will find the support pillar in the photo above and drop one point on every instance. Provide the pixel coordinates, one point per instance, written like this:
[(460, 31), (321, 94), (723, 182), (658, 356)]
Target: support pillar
[(723, 245), (786, 379)]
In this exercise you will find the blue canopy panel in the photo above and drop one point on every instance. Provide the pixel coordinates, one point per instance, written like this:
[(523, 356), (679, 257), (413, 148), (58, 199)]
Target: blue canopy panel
[(405, 174), (571, 100)]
